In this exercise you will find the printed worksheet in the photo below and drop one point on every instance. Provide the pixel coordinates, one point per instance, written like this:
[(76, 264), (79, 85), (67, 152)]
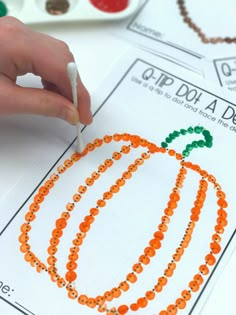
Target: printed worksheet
[(143, 221), (185, 30)]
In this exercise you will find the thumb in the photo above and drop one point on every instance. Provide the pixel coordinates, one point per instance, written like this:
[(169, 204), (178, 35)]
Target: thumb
[(20, 100)]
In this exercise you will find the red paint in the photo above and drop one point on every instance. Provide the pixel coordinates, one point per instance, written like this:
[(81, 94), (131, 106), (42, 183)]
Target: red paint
[(110, 6)]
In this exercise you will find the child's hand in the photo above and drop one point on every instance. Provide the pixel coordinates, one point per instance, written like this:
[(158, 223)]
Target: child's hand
[(25, 51)]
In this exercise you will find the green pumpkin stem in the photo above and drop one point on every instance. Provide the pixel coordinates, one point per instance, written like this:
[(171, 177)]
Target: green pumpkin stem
[(207, 142)]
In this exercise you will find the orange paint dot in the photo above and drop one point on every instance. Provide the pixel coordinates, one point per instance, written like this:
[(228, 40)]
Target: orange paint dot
[(68, 163), (215, 248), (49, 184), (171, 152), (61, 283), (100, 300), (123, 309), (158, 235), (186, 295), (139, 161), (91, 303), (134, 307), (102, 168), (76, 197), (84, 227), (70, 206), (116, 155), (29, 217), (89, 219), (222, 203), (150, 295), (149, 251), (124, 286), (117, 137), (82, 299), (142, 302), (54, 177), (52, 260), (25, 228), (107, 195), (57, 233), (194, 286), (24, 248), (65, 215), (90, 146), (101, 203), (61, 169), (43, 190), (158, 288), (114, 188), (54, 241), (108, 296), (95, 175), (204, 269), (108, 162), (94, 211), (180, 303), (163, 227), (216, 238), (116, 293), (71, 265), (137, 268), (172, 309), (131, 277), (127, 175), (82, 189), (89, 181), (75, 157), (198, 278), (61, 223), (98, 142), (155, 243), (219, 229), (71, 276), (144, 259), (52, 250), (38, 198), (210, 259), (162, 281)]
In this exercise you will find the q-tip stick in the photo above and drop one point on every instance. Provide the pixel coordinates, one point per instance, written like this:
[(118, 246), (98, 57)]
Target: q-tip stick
[(72, 73)]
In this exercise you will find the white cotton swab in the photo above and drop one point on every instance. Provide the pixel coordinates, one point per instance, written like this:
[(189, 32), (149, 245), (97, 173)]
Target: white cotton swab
[(72, 73)]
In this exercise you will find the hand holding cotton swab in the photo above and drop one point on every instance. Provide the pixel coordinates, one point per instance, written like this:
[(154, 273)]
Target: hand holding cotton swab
[(72, 73)]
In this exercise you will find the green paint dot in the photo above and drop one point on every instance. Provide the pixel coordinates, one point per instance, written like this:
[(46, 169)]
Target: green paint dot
[(3, 9), (164, 145)]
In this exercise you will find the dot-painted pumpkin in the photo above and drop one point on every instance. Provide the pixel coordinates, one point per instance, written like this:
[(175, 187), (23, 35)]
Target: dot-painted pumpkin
[(132, 142)]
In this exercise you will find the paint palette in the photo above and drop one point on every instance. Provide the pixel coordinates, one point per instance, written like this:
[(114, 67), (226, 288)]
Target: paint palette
[(47, 11)]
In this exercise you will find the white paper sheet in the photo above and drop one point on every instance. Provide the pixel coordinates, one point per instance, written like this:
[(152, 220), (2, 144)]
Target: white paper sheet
[(149, 97), (159, 26)]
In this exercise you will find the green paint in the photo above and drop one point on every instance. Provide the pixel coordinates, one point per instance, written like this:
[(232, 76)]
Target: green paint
[(207, 142), (3, 9)]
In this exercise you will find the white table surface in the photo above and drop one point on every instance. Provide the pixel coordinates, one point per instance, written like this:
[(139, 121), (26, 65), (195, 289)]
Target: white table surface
[(96, 51)]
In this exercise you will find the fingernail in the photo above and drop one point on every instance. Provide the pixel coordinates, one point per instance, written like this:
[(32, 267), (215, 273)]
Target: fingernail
[(71, 115)]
